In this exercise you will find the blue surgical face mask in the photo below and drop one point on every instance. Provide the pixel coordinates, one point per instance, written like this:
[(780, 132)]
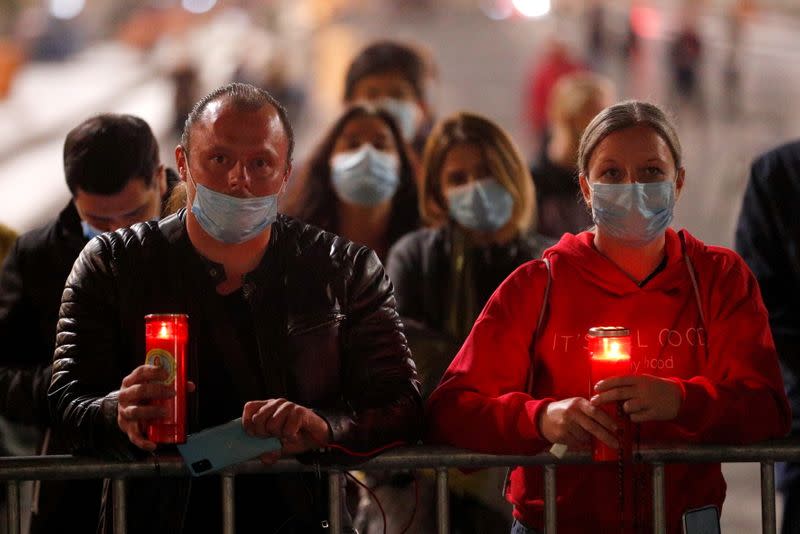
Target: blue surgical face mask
[(404, 112), (366, 176), (634, 213), (484, 205), (232, 219), (90, 231)]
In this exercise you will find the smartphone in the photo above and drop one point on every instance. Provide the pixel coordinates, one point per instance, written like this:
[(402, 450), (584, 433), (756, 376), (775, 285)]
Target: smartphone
[(703, 520), (221, 446)]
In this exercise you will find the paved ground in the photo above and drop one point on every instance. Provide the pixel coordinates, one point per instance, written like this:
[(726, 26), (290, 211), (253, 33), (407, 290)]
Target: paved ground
[(483, 67)]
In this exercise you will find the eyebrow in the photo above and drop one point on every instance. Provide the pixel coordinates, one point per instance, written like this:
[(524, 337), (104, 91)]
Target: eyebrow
[(127, 214), (266, 149)]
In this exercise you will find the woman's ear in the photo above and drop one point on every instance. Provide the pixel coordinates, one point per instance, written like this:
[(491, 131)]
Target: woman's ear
[(679, 182), (586, 191)]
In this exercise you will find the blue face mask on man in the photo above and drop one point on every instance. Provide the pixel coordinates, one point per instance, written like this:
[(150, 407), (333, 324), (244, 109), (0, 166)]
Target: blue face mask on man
[(404, 113), (232, 219), (90, 231), (366, 176), (636, 213), (483, 205)]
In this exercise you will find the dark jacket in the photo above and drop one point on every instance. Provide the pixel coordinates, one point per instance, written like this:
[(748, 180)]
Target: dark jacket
[(327, 333), (31, 285), (431, 290), (560, 207), (768, 238)]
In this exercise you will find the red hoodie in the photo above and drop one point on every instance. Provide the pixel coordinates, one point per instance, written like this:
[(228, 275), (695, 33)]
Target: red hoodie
[(727, 370)]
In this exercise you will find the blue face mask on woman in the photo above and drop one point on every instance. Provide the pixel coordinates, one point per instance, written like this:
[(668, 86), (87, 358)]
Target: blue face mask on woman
[(366, 176), (636, 213), (232, 219), (484, 205)]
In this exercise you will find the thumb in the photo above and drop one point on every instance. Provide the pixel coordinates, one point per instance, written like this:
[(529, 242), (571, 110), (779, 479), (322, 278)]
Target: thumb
[(190, 387)]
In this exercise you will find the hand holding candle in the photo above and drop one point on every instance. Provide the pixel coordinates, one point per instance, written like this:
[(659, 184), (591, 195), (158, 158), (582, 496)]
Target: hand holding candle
[(643, 397), (149, 394)]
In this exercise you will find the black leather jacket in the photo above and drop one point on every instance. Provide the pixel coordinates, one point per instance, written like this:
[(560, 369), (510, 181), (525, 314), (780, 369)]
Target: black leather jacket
[(337, 345), (421, 266)]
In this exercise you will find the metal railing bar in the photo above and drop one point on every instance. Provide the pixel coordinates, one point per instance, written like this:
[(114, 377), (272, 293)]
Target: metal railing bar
[(120, 506), (62, 467), (550, 509), (335, 501), (69, 467), (228, 504), (768, 516), (442, 502), (659, 510), (13, 513)]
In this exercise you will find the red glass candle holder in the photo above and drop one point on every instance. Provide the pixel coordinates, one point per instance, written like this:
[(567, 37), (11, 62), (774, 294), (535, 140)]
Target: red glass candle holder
[(166, 339), (610, 355)]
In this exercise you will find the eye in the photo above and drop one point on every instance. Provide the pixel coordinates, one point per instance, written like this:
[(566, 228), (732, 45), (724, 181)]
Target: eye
[(260, 163), (611, 174), (651, 174), (219, 159), (457, 178), (381, 143)]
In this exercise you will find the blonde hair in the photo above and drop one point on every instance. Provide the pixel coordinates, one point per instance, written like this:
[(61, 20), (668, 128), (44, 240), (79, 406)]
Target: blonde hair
[(576, 92), (502, 157), (621, 117)]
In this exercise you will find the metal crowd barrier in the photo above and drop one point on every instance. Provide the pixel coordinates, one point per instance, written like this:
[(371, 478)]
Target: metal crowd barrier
[(16, 469)]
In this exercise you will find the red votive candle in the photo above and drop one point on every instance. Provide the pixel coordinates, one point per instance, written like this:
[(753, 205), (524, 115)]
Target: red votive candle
[(166, 338), (610, 355)]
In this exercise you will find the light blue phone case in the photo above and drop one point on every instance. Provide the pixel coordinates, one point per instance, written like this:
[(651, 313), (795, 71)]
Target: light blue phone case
[(221, 446)]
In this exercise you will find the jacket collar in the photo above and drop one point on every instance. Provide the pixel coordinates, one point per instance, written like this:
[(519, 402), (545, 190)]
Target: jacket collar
[(174, 230)]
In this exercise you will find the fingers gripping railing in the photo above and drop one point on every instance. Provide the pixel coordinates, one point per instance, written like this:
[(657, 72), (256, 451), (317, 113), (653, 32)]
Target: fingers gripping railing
[(13, 470)]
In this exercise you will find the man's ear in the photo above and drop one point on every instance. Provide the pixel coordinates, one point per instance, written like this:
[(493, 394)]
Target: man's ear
[(286, 176), (180, 161), (586, 191)]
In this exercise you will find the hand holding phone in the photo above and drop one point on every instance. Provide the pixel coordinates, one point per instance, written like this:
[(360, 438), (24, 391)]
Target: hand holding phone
[(221, 446), (300, 429)]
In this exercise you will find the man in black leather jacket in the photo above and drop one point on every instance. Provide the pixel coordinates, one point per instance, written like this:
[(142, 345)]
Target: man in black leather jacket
[(112, 168), (291, 328)]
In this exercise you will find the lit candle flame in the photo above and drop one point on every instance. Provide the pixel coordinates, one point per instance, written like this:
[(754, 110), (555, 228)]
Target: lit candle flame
[(164, 332), (611, 350)]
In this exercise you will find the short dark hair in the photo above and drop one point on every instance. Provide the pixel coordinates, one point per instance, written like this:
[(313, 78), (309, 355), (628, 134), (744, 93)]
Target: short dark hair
[(245, 97), (105, 152), (388, 56)]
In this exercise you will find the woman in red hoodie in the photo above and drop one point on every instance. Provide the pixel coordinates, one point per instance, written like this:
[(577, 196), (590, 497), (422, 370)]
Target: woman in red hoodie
[(703, 363)]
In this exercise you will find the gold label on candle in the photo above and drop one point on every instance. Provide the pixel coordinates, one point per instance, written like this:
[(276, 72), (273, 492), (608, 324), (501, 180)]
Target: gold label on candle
[(162, 358)]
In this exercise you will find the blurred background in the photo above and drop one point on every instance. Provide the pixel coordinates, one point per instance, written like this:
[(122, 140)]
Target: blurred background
[(728, 70)]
